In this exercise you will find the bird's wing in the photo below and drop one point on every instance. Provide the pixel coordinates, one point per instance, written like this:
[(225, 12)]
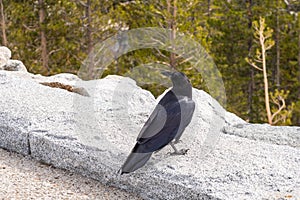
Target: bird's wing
[(154, 124), (188, 108), (135, 161)]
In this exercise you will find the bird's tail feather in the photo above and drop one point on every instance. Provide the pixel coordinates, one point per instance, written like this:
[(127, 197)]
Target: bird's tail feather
[(135, 161)]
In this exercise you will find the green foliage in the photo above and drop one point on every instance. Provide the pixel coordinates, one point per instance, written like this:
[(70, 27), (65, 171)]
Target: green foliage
[(223, 28), (284, 117)]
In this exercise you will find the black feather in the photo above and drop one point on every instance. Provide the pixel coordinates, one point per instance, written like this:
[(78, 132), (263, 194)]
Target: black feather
[(166, 123)]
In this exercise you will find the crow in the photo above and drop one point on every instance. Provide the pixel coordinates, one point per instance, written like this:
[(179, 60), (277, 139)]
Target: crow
[(167, 122)]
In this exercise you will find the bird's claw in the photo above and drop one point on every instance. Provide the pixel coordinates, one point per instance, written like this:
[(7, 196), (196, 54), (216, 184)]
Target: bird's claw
[(177, 141), (180, 152)]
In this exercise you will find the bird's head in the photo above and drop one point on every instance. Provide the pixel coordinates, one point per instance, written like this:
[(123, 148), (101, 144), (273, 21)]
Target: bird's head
[(181, 83)]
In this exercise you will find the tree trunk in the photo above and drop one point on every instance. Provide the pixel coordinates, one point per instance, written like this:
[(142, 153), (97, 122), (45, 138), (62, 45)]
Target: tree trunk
[(277, 41), (267, 100), (3, 25), (42, 16), (209, 14), (89, 26), (172, 26), (298, 119), (298, 19), (88, 36), (208, 8), (251, 81)]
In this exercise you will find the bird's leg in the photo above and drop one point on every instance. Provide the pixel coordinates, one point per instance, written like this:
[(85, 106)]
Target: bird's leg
[(177, 141), (119, 172), (176, 152)]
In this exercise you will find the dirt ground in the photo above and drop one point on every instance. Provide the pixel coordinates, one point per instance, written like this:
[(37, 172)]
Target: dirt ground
[(24, 178)]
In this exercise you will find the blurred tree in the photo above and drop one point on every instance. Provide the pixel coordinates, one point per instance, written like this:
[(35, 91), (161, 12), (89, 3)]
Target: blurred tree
[(3, 24), (263, 36), (71, 28), (42, 16), (184, 17)]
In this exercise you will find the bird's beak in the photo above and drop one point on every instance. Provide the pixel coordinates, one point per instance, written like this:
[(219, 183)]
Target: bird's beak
[(167, 73)]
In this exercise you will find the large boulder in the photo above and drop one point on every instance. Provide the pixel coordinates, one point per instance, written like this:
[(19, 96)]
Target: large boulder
[(7, 64), (14, 65), (5, 55), (93, 134)]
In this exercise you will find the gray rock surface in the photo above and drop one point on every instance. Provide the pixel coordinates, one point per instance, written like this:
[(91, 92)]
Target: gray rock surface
[(5, 55), (14, 65), (7, 64), (22, 177), (280, 135), (93, 136)]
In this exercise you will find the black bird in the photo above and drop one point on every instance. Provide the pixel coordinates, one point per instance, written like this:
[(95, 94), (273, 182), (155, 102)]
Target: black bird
[(167, 122)]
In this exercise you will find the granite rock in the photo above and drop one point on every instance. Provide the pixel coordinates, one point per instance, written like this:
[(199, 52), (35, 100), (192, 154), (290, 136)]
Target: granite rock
[(92, 135)]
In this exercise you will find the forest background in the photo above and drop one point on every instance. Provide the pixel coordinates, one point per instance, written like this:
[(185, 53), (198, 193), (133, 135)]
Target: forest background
[(55, 36)]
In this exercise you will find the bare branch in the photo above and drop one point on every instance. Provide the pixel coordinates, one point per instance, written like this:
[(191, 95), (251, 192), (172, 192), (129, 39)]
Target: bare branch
[(269, 47), (53, 51), (282, 118), (255, 28), (256, 67), (258, 60), (186, 60), (28, 28), (160, 24), (280, 108), (253, 64), (163, 63), (287, 2), (82, 3), (160, 53), (156, 40), (275, 101)]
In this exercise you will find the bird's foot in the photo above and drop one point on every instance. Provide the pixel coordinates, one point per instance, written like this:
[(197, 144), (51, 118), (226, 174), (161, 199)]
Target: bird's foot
[(176, 152), (180, 152), (119, 173), (177, 141)]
